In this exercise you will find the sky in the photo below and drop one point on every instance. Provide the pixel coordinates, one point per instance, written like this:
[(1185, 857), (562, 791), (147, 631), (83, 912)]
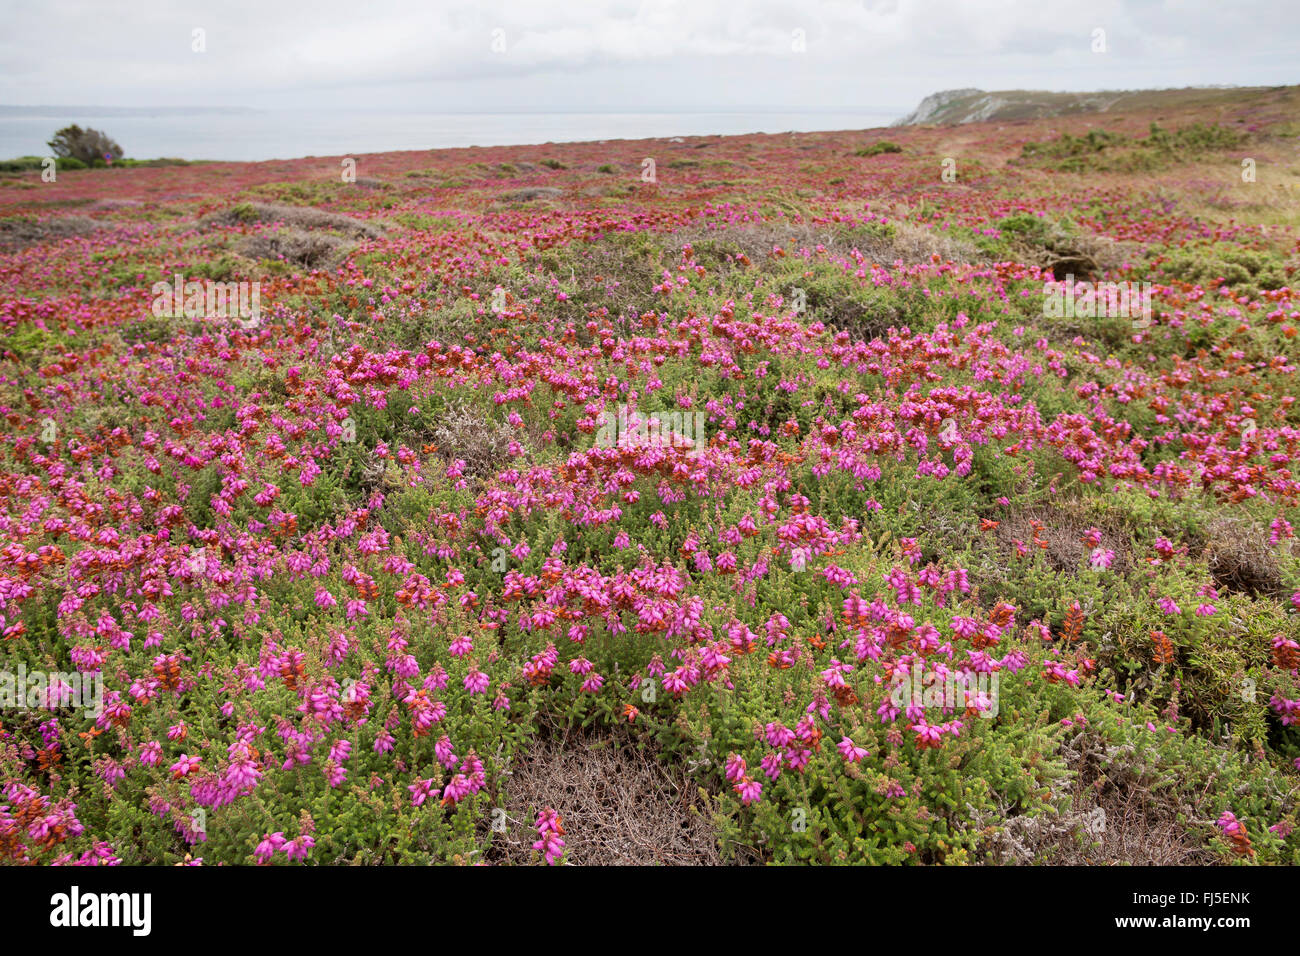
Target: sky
[(624, 55)]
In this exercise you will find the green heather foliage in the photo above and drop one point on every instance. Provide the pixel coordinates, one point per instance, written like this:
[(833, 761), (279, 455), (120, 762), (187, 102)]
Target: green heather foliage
[(876, 149), (27, 163), (1106, 150), (1212, 264)]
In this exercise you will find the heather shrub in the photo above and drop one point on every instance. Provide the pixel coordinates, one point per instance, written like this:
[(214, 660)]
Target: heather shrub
[(877, 149), (1211, 265)]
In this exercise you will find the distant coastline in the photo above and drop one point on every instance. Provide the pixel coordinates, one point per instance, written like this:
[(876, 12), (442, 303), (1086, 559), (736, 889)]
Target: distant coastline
[(248, 135), (83, 110)]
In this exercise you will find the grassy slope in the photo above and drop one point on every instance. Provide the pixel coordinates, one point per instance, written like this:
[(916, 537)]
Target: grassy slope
[(1209, 105)]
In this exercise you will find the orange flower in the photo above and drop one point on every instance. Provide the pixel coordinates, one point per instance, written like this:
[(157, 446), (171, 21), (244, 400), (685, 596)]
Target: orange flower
[(1073, 625), (1164, 648)]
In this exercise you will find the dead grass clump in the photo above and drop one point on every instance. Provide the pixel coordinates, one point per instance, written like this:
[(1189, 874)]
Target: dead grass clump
[(1063, 254), (1119, 815), (464, 433), (533, 192), (621, 269), (619, 805), (905, 241), (306, 218), (116, 204), (863, 321), (913, 243), (307, 250), (1060, 526), (618, 272), (1108, 255), (1241, 559), (19, 232)]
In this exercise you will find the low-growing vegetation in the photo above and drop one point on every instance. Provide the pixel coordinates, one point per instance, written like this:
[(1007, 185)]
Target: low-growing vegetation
[(408, 568)]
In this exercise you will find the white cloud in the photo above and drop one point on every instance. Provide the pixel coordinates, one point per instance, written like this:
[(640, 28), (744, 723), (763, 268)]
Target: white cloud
[(670, 54)]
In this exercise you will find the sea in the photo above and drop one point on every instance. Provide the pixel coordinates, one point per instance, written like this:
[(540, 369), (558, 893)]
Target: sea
[(253, 135)]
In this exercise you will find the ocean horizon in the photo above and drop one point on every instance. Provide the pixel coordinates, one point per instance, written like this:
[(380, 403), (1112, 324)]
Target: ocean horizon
[(247, 135)]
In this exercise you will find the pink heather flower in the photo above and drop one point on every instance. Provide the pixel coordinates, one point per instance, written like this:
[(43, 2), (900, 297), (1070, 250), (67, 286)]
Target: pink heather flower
[(1205, 610), (1280, 529), (927, 735), (675, 682), (1101, 559), (268, 847), (851, 751), (443, 751), (551, 831), (552, 845), (184, 766), (1168, 606), (735, 767), (476, 682), (778, 735), (458, 789), (1229, 823), (421, 790), (298, 848), (750, 791), (1287, 710)]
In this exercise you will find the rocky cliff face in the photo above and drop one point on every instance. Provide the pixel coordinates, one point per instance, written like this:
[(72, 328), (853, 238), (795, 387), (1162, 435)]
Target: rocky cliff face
[(935, 105), (953, 107)]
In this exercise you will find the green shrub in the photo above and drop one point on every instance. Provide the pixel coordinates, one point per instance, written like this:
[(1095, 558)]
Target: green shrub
[(876, 149)]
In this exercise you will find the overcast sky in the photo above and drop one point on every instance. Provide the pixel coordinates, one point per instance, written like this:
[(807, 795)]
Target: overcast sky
[(624, 55)]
